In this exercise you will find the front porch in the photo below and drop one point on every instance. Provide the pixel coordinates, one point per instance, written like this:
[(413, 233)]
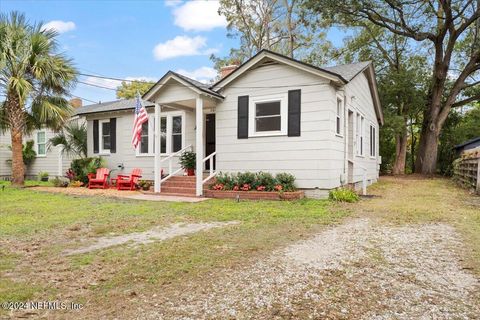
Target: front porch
[(193, 131)]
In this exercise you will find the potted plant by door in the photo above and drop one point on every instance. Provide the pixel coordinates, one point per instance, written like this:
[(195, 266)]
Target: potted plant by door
[(188, 161)]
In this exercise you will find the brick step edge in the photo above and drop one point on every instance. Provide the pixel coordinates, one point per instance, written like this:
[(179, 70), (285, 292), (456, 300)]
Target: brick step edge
[(254, 195)]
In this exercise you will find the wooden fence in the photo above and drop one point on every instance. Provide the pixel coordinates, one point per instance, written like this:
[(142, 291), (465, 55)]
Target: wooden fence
[(467, 172)]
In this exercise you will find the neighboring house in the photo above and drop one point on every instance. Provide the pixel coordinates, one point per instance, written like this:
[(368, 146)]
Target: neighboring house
[(271, 114), (49, 158), (467, 145)]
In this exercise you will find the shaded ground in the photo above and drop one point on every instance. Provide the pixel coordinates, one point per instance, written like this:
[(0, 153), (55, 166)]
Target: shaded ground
[(413, 252)]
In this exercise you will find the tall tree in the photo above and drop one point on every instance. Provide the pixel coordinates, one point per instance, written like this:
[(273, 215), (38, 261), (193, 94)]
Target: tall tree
[(448, 30), (128, 90), (278, 25), (401, 78), (33, 73)]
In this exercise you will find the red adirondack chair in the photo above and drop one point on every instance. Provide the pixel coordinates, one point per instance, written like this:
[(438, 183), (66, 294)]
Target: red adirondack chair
[(129, 182), (99, 179)]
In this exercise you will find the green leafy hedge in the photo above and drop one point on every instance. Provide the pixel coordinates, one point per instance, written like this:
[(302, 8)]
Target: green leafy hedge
[(82, 167), (343, 195), (259, 181)]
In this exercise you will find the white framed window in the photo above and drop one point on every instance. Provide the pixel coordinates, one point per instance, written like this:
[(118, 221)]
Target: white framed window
[(104, 136), (360, 134), (339, 117), (267, 116), (373, 141), (172, 134), (41, 143)]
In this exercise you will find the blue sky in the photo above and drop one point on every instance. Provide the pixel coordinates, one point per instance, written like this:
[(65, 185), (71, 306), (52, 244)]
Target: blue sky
[(133, 39)]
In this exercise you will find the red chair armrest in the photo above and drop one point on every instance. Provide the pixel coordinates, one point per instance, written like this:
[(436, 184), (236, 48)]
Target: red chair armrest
[(91, 175), (134, 175), (121, 176)]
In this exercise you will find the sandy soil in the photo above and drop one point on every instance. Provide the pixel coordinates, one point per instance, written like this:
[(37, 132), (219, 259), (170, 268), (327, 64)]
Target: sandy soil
[(357, 270), (153, 235)]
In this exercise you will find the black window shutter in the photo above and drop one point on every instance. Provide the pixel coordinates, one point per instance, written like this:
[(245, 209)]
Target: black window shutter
[(95, 136), (113, 135), (242, 125), (294, 112)]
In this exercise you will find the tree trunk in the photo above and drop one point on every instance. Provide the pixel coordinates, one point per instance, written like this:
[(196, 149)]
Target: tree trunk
[(426, 162), (16, 121), (401, 153), (18, 168)]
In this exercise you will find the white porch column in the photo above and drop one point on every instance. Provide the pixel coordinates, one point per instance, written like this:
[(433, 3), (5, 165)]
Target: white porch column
[(157, 170), (199, 145)]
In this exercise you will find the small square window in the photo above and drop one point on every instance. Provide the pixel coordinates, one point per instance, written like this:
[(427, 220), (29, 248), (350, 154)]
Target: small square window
[(268, 116)]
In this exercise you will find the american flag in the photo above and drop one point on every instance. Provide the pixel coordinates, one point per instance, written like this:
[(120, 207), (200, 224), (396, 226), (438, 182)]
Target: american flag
[(140, 118)]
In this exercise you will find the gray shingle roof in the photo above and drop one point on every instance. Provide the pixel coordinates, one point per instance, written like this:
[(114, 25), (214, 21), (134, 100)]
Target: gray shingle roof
[(348, 71), (116, 105), (202, 86)]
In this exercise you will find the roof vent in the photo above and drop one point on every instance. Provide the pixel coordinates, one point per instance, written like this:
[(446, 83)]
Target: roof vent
[(225, 71)]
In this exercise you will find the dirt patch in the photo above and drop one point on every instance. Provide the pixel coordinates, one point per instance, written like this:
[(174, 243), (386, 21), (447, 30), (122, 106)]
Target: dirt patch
[(88, 192), (153, 235), (357, 270)]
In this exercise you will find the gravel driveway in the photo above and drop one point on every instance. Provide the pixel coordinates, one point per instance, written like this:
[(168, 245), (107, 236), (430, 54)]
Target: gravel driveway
[(361, 269)]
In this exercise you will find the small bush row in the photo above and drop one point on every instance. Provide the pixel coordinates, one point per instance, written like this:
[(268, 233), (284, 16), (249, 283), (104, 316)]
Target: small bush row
[(259, 181), (343, 195)]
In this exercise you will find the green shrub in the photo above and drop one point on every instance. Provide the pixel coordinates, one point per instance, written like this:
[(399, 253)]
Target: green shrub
[(286, 180), (265, 179), (245, 178), (60, 182), (226, 179), (82, 167), (343, 195)]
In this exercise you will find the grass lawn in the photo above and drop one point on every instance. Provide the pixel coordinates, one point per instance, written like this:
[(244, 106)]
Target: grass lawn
[(37, 227)]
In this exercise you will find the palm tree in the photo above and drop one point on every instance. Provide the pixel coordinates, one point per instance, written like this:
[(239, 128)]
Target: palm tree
[(73, 139), (32, 73)]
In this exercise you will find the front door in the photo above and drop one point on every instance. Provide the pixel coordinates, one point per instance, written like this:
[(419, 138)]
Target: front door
[(210, 138)]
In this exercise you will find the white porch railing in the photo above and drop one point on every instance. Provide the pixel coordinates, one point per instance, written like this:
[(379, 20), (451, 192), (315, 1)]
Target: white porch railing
[(170, 164), (212, 172)]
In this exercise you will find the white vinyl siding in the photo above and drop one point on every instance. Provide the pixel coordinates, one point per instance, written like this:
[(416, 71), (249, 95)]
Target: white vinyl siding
[(309, 157), (131, 158)]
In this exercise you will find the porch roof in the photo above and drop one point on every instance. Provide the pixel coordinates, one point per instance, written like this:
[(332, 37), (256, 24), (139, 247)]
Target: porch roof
[(186, 81)]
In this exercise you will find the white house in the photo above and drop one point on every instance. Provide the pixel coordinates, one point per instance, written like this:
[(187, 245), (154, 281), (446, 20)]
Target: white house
[(48, 158), (272, 113)]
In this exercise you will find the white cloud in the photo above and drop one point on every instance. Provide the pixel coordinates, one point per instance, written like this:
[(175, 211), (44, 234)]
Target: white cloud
[(59, 26), (198, 16), (182, 46), (202, 74)]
